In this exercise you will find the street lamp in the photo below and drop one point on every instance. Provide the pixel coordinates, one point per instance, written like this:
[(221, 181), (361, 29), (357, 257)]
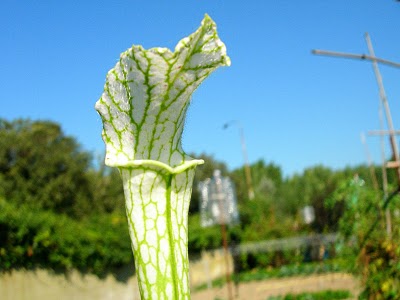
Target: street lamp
[(245, 158)]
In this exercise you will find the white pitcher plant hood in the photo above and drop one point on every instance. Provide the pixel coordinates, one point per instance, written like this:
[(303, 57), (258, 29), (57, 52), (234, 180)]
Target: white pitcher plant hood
[(143, 108)]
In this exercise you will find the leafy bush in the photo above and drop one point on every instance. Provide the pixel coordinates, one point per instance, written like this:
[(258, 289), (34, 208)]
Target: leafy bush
[(323, 295), (201, 238), (32, 238), (335, 265), (374, 254), (379, 263)]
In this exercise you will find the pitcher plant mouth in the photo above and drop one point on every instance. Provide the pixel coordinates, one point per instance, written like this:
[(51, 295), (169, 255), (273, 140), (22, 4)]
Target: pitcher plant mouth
[(173, 170), (143, 109), (147, 94)]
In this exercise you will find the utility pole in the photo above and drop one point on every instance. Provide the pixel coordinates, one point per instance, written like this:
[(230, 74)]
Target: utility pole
[(247, 170), (393, 139), (384, 102)]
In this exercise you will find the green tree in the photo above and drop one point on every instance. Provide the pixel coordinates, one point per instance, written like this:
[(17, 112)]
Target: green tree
[(267, 178), (107, 189), (42, 167), (312, 188), (266, 181)]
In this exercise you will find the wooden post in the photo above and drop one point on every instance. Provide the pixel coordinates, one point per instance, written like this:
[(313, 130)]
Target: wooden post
[(221, 197), (393, 139), (385, 104)]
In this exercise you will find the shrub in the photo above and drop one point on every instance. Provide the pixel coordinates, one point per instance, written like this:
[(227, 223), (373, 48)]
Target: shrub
[(32, 238), (323, 295), (374, 254)]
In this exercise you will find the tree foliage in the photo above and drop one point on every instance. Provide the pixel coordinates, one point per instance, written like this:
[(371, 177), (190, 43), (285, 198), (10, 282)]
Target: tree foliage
[(42, 167), (51, 191)]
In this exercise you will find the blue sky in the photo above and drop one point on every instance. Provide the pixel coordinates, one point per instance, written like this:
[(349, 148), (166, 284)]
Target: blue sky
[(297, 109)]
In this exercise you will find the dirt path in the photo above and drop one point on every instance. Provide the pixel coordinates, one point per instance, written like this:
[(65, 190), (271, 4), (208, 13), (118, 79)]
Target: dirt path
[(261, 290)]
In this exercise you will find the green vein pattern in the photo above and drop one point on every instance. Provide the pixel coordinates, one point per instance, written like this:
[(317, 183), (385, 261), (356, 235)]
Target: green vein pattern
[(143, 108)]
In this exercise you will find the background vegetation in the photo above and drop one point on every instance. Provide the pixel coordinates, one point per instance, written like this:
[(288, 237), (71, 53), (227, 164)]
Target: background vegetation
[(61, 209)]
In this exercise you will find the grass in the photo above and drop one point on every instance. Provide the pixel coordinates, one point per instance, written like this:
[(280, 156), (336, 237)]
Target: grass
[(322, 295), (328, 266)]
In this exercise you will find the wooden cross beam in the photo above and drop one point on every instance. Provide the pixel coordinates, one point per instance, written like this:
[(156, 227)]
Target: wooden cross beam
[(390, 164), (375, 60), (383, 132)]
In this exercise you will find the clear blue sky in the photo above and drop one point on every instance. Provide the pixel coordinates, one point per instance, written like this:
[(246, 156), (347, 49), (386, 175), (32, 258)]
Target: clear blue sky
[(297, 109)]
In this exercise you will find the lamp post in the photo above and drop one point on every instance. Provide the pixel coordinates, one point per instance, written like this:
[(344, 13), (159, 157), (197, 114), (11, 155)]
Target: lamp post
[(249, 183)]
